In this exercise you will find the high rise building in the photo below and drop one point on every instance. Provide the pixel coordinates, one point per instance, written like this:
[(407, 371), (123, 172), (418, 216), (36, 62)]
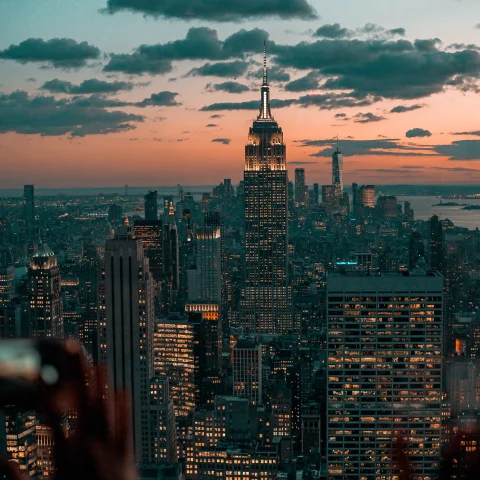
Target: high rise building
[(301, 189), (129, 322), (366, 196), (355, 198), (337, 170), (151, 234), (329, 198), (29, 203), (384, 372), (115, 214), (7, 277), (18, 439), (247, 371), (416, 249), (46, 312), (267, 296), (180, 355), (151, 205), (316, 193), (205, 281), (387, 206), (436, 244), (171, 260)]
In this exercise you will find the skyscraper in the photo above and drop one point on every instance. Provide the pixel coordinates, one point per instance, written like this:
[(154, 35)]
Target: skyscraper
[(436, 245), (171, 260), (29, 202), (366, 196), (151, 205), (46, 316), (151, 234), (267, 295), (301, 190), (337, 170), (384, 368), (129, 329), (247, 371)]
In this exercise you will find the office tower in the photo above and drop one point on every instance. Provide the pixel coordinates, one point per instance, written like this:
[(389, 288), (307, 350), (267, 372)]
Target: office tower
[(460, 379), (329, 198), (437, 252), (355, 198), (301, 189), (29, 203), (387, 206), (247, 371), (115, 213), (150, 232), (151, 205), (267, 295), (211, 315), (171, 261), (180, 355), (337, 171), (163, 444), (46, 311), (7, 277), (45, 452), (18, 439), (366, 196), (416, 249), (316, 193), (129, 317), (384, 349), (280, 400), (205, 282)]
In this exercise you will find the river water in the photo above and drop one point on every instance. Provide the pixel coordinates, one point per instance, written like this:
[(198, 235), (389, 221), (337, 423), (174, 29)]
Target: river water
[(424, 209)]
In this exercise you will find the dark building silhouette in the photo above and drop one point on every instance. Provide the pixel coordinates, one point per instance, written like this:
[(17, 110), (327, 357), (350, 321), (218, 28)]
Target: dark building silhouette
[(151, 234), (151, 205), (436, 247), (29, 202), (416, 249)]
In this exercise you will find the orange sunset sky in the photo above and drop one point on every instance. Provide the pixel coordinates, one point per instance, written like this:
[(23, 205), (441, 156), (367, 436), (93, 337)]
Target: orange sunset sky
[(114, 92)]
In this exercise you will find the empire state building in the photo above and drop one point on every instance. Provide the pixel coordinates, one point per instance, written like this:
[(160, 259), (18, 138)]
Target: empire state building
[(267, 305)]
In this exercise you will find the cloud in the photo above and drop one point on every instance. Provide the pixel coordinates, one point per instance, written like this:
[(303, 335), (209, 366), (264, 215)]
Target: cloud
[(160, 99), (275, 74), (404, 108), (302, 163), (418, 132), (24, 114), (477, 26), (248, 105), (456, 169), (215, 10), (308, 82), (211, 125), (87, 86), (333, 31), (221, 69), (473, 133), (367, 118), (397, 31), (230, 87), (387, 147), (464, 46), (31, 79), (216, 115), (245, 41), (460, 150), (413, 166), (137, 64), (57, 52), (224, 141), (383, 67), (340, 115)]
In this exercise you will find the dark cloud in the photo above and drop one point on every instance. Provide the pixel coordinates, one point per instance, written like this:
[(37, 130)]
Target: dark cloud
[(31, 79), (211, 125), (86, 87), (383, 67), (160, 99), (43, 115), (456, 169), (230, 87), (473, 133), (367, 118), (387, 147), (224, 141), (418, 132), (137, 64), (333, 31), (328, 101), (215, 10), (275, 74), (397, 31), (477, 26), (98, 101), (464, 46), (460, 150), (413, 166), (308, 82), (245, 41), (221, 69), (340, 115), (405, 108), (216, 115), (57, 52)]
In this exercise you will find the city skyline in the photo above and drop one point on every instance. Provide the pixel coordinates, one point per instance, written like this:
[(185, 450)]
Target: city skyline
[(129, 108)]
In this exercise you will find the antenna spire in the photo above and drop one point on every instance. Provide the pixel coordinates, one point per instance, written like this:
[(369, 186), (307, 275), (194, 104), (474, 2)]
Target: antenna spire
[(265, 82)]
